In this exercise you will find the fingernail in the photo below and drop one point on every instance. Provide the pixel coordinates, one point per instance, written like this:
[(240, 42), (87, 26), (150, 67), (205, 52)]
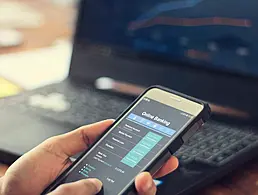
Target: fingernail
[(97, 183)]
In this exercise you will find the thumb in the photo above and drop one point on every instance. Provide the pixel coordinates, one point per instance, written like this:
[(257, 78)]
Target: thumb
[(82, 187)]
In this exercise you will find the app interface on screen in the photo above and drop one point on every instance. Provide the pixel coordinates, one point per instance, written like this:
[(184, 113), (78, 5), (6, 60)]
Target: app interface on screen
[(128, 148)]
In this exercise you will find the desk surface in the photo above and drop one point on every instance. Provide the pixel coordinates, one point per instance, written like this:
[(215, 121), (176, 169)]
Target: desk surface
[(242, 182)]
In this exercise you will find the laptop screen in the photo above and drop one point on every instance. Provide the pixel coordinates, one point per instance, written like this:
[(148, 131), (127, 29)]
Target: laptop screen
[(201, 32), (181, 44)]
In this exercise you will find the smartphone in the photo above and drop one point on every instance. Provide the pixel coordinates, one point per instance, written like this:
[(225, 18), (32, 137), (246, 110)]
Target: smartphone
[(142, 138)]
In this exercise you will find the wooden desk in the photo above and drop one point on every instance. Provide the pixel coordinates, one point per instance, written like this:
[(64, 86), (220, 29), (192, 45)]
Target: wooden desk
[(242, 182)]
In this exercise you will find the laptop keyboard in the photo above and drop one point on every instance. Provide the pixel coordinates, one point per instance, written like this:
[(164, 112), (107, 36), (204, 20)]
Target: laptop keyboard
[(86, 105), (215, 144)]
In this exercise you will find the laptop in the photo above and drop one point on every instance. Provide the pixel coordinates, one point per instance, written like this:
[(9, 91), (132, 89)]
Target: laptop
[(201, 48)]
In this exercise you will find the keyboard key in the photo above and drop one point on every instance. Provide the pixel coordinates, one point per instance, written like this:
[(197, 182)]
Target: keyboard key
[(223, 145), (210, 134), (184, 158), (252, 138), (220, 137), (200, 138), (233, 140), (205, 155), (219, 158), (190, 143), (212, 141), (193, 152), (215, 150), (228, 152), (203, 146)]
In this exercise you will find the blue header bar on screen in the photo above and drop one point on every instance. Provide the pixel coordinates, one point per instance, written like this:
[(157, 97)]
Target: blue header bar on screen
[(151, 125)]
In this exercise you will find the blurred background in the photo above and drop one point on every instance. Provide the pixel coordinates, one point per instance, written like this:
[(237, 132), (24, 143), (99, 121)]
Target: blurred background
[(35, 43)]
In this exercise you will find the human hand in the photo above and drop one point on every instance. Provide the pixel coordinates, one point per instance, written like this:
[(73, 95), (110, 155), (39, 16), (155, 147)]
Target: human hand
[(35, 170)]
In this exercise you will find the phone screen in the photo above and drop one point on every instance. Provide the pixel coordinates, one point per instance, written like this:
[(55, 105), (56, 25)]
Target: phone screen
[(129, 147)]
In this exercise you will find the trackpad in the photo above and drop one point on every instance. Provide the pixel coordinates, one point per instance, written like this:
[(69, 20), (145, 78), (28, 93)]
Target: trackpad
[(20, 133)]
